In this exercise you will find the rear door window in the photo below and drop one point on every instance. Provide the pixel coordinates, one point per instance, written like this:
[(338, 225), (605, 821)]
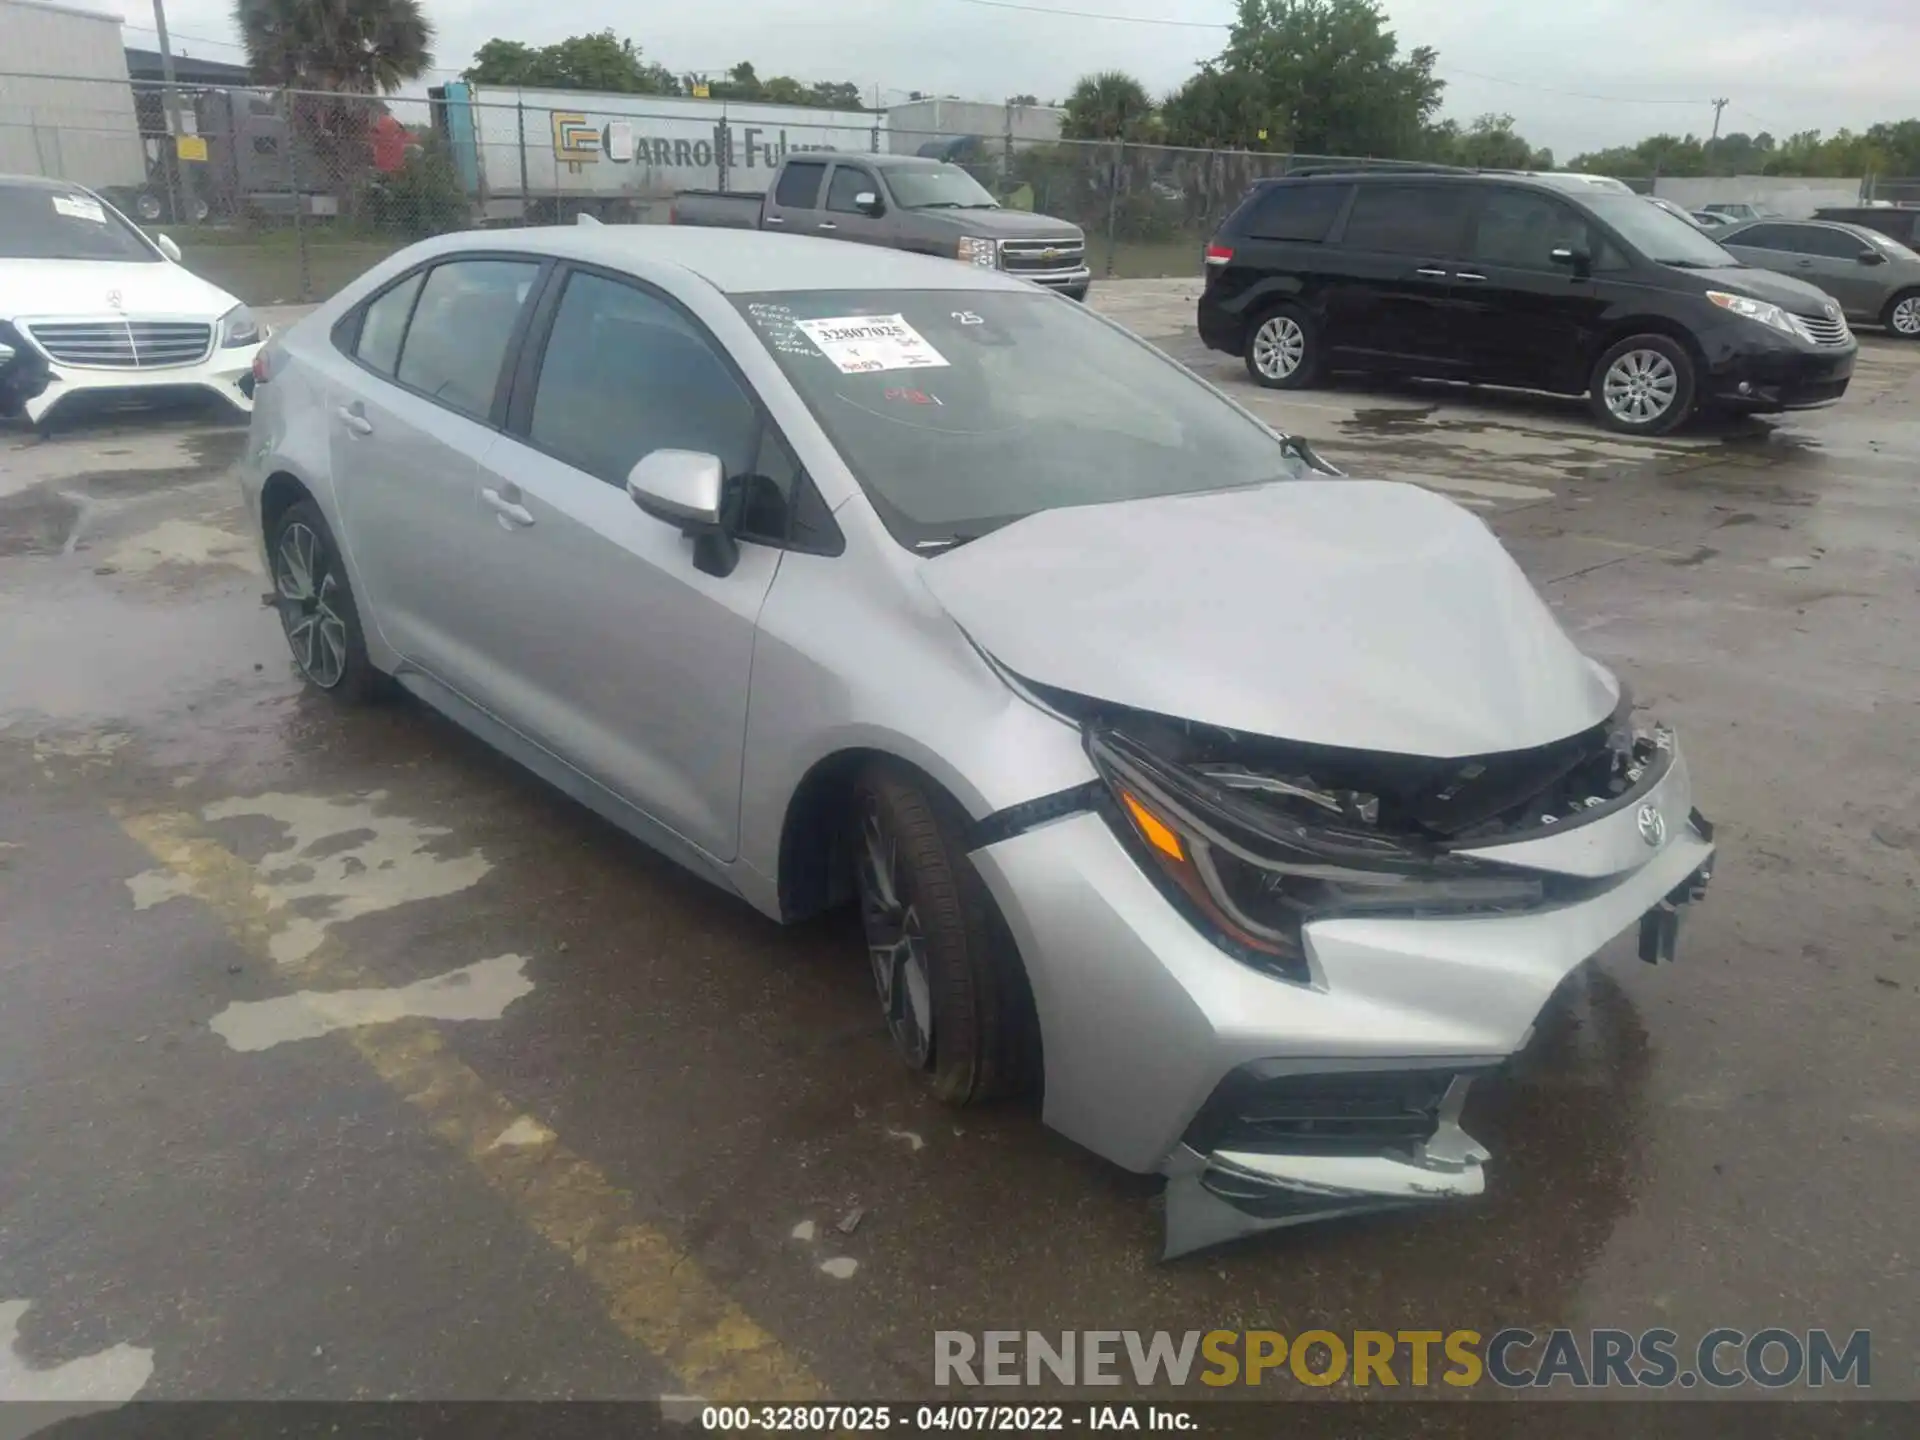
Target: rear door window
[(385, 325), (799, 184), (1764, 237), (1426, 220), (461, 328), (1295, 212)]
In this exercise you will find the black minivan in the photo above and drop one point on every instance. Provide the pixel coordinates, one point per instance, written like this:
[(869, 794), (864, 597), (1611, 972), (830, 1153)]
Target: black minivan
[(1509, 279)]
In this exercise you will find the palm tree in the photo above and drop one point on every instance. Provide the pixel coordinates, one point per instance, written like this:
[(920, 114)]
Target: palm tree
[(1111, 105), (360, 46)]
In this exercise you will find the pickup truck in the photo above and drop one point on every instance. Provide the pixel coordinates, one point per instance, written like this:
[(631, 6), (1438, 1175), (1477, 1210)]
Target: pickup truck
[(903, 202)]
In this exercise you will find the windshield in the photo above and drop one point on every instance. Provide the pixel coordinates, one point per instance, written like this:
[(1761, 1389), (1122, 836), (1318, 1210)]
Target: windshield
[(1888, 244), (938, 187), (40, 223), (960, 411), (1659, 236)]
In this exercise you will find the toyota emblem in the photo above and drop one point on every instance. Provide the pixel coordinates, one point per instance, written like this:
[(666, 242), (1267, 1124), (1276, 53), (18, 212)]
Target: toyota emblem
[(1653, 826)]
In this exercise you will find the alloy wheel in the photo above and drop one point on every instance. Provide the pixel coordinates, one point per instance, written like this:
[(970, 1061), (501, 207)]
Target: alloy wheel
[(308, 591), (1640, 387), (1906, 316), (896, 944), (1279, 346)]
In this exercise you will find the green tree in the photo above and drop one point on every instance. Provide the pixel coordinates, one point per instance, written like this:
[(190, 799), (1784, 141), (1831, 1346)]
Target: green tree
[(1111, 105), (1331, 78), (600, 61), (362, 46), (1221, 109), (1489, 143)]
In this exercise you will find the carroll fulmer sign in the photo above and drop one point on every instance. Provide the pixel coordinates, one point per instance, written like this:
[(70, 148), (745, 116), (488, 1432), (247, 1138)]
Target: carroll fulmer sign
[(651, 144)]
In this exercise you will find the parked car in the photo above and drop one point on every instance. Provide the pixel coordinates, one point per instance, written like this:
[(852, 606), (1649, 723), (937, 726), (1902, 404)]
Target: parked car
[(903, 202), (1900, 222), (1711, 220), (1875, 278), (1503, 280), (1247, 811), (1741, 210), (89, 306)]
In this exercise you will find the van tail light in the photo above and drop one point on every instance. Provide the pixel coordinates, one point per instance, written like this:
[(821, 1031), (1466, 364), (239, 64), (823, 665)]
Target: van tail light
[(261, 368), (1219, 254)]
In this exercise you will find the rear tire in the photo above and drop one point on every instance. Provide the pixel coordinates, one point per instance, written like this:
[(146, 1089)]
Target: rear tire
[(951, 986), (317, 609), (1283, 349), (1644, 385), (1902, 316)]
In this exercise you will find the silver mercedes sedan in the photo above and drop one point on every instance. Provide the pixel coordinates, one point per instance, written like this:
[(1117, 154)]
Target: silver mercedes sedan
[(1245, 811)]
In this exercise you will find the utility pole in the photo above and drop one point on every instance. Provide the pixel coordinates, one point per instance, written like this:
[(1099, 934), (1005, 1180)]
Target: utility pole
[(179, 178), (1718, 106)]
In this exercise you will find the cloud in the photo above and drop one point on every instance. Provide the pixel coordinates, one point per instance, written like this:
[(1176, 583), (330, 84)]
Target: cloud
[(1657, 63)]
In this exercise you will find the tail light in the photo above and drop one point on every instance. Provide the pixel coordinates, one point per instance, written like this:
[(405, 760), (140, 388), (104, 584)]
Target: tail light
[(1219, 254)]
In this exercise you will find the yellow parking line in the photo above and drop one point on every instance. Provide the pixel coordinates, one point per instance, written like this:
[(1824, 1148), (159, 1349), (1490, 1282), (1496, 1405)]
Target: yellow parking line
[(656, 1294)]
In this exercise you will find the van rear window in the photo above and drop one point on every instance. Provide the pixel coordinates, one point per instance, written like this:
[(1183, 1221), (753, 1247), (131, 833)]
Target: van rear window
[(1294, 212)]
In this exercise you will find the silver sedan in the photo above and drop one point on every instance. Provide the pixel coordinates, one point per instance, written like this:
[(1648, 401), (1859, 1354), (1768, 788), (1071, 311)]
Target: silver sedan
[(1246, 811)]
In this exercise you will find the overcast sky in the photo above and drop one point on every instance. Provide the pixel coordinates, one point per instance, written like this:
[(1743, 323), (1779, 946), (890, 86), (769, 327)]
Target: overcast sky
[(1786, 65)]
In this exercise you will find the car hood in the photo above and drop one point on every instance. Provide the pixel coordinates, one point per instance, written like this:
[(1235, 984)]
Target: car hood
[(1004, 224), (1362, 614), (1788, 293), (31, 288)]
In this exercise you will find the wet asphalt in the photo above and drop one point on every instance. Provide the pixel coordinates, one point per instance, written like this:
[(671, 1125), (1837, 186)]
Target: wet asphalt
[(668, 1151)]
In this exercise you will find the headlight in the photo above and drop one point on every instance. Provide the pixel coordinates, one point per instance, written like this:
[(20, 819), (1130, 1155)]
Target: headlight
[(1772, 316), (238, 327), (979, 250), (1252, 858)]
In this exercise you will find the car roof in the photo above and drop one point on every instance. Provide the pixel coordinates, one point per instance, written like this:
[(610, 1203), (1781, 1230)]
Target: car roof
[(863, 157), (40, 182), (1559, 182), (736, 262)]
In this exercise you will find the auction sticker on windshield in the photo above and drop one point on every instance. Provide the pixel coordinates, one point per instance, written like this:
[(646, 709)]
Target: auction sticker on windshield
[(80, 208), (863, 344)]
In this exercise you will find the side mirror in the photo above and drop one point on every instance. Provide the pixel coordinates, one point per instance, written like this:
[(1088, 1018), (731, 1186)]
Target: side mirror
[(687, 488), (1872, 257), (869, 203), (168, 248), (681, 487)]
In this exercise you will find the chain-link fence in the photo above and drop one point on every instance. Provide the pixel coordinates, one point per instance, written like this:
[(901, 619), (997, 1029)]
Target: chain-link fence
[(1892, 189), (281, 196)]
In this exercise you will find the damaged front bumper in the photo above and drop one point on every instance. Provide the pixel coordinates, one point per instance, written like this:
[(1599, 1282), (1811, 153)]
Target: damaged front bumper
[(1267, 1102)]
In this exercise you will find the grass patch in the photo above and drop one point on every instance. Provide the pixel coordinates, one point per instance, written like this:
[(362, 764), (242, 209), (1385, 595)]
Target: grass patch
[(1139, 260), (263, 267)]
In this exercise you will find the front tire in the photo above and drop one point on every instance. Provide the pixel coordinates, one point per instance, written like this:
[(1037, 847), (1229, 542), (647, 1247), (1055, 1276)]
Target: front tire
[(317, 609), (1902, 316), (1283, 349), (1644, 385), (951, 986)]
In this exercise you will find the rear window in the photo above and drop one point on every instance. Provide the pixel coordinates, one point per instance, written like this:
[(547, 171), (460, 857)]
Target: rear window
[(1293, 212)]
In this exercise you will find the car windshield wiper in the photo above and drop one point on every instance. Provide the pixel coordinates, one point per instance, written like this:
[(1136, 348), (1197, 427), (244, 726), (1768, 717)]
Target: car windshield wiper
[(942, 544), (937, 205)]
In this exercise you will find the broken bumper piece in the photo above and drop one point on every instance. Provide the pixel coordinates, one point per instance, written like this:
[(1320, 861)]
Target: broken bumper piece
[(1276, 1149)]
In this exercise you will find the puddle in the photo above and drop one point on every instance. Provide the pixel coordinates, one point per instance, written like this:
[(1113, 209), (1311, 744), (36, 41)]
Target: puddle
[(111, 1377), (481, 991), (317, 880)]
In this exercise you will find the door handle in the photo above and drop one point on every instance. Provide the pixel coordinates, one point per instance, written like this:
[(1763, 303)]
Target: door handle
[(1431, 273), (772, 220), (354, 420), (827, 225), (1467, 275), (510, 511)]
